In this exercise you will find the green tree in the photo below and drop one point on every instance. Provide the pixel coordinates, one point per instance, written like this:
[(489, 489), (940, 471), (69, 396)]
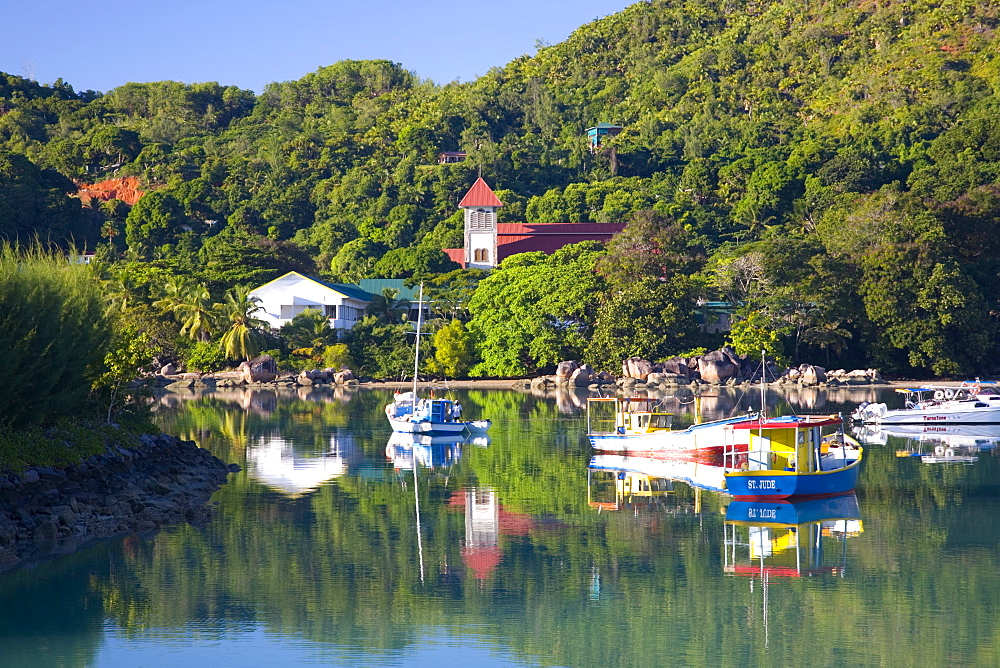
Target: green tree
[(755, 334), (309, 331), (454, 351), (244, 338), (387, 309), (648, 318), (536, 310), (191, 305)]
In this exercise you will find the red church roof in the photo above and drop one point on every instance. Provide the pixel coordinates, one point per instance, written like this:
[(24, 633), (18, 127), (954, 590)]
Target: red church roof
[(480, 194), (514, 238)]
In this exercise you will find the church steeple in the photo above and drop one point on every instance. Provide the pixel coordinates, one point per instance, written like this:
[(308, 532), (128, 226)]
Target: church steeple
[(480, 205)]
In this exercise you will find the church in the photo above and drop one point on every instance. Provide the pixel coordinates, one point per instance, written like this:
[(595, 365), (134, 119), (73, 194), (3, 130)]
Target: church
[(488, 243)]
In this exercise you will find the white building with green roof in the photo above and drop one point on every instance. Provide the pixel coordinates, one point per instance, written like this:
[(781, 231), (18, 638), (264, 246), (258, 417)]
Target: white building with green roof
[(285, 297)]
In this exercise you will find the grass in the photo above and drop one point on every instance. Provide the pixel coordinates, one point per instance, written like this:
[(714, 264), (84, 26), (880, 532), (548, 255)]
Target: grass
[(66, 443)]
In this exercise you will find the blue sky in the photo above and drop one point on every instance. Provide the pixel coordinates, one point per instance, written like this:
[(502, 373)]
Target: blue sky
[(250, 43)]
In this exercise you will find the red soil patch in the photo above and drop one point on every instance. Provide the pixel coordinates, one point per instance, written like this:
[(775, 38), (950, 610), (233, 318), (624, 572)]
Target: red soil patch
[(126, 189)]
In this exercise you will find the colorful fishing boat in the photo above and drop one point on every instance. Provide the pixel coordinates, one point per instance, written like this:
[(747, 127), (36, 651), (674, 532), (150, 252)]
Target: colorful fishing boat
[(791, 456), (642, 428)]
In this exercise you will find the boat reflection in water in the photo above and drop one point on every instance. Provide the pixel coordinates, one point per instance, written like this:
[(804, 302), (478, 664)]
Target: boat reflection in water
[(404, 449), (274, 461), (779, 538), (935, 443), (616, 480)]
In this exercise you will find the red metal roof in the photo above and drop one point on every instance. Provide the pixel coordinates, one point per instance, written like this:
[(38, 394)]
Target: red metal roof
[(513, 238), (480, 194), (456, 255)]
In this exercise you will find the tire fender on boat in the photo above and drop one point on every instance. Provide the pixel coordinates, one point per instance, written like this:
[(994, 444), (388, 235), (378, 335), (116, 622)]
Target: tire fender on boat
[(949, 394), (939, 450), (939, 395), (949, 452)]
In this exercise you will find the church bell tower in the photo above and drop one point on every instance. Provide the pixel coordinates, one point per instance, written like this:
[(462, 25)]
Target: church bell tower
[(480, 205)]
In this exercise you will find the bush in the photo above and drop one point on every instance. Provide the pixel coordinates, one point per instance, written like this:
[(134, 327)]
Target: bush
[(337, 356), (54, 334), (205, 356)]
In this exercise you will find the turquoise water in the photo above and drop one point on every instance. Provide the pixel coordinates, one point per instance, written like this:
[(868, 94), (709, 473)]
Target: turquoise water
[(325, 550)]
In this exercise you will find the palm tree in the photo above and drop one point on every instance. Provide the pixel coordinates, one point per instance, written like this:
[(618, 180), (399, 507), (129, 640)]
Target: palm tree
[(245, 337), (122, 288), (387, 308), (309, 329), (191, 305)]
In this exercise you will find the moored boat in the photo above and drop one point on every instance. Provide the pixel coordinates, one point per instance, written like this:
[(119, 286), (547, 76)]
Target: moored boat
[(792, 457), (409, 414), (972, 402), (641, 429)]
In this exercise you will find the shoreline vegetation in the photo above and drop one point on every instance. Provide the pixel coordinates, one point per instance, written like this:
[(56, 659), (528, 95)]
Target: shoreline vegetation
[(778, 172)]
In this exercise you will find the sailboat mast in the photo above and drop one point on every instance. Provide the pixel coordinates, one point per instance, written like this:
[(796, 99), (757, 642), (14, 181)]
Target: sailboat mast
[(416, 353)]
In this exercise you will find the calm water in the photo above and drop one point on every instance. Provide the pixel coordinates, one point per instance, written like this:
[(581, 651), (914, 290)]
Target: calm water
[(520, 555)]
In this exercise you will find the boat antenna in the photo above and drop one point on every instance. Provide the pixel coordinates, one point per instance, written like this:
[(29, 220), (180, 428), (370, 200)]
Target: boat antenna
[(416, 353)]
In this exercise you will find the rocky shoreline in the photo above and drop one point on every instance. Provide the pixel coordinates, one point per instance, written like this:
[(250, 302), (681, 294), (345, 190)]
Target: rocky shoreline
[(48, 511)]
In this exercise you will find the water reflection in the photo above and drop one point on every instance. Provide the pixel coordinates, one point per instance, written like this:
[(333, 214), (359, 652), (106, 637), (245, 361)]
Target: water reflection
[(934, 443), (405, 450), (616, 480), (275, 462), (790, 539), (516, 553)]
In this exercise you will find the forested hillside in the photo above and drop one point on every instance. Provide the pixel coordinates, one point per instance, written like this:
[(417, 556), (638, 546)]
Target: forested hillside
[(831, 168)]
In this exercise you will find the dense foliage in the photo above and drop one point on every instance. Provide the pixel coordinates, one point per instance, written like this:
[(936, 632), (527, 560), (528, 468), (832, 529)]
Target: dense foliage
[(836, 164), (54, 333)]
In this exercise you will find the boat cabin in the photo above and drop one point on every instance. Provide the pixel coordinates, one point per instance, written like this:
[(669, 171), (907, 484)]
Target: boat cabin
[(434, 410), (632, 415), (790, 443)]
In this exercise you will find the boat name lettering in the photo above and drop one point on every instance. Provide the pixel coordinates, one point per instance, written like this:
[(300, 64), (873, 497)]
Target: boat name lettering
[(761, 484), (934, 418), (762, 513)]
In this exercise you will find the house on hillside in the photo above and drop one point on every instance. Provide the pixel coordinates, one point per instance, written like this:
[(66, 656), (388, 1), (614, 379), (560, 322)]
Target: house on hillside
[(450, 157), (488, 243), (287, 296), (597, 134)]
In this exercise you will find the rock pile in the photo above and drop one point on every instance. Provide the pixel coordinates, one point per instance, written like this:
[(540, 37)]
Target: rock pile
[(250, 375), (48, 511), (718, 367)]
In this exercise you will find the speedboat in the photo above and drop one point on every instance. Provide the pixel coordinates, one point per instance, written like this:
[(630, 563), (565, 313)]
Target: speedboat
[(972, 402)]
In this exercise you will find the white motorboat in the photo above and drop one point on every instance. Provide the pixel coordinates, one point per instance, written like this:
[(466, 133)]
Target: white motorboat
[(969, 403)]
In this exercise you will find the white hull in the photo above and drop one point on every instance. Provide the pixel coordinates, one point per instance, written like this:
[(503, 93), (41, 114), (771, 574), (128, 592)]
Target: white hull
[(426, 426), (696, 474), (941, 415), (710, 438)]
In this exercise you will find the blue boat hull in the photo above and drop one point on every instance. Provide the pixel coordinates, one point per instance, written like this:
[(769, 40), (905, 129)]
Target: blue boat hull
[(786, 484), (769, 512)]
